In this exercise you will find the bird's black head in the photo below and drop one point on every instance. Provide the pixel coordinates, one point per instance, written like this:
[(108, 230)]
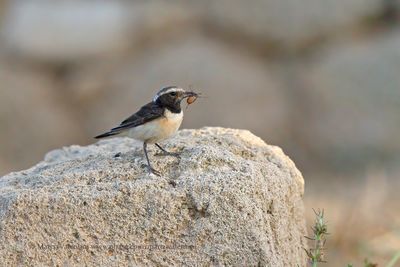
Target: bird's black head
[(171, 97)]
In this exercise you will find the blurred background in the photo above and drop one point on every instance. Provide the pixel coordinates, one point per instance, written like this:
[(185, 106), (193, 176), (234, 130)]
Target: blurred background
[(321, 79)]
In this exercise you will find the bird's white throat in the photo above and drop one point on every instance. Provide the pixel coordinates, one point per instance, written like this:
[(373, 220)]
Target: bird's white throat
[(173, 116)]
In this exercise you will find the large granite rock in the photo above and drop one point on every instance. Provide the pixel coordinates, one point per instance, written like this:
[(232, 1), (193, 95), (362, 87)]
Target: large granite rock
[(231, 200)]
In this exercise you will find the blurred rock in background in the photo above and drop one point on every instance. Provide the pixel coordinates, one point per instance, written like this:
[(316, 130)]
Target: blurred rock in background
[(74, 31), (290, 24), (356, 88), (318, 78), (34, 118)]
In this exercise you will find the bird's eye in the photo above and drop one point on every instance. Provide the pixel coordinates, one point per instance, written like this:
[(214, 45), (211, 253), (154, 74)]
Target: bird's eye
[(173, 93)]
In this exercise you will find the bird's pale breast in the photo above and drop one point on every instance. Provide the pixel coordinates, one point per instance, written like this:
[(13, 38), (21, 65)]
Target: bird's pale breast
[(158, 129)]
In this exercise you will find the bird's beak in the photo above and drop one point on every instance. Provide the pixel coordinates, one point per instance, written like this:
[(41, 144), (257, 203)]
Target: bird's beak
[(189, 94)]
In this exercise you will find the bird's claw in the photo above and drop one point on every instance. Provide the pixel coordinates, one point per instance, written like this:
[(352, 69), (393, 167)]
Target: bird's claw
[(163, 153), (153, 171)]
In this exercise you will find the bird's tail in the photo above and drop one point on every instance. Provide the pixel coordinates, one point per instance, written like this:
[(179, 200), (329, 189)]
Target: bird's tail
[(107, 134)]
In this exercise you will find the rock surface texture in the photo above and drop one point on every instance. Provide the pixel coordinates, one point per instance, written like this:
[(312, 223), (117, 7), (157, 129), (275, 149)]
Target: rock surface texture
[(230, 200)]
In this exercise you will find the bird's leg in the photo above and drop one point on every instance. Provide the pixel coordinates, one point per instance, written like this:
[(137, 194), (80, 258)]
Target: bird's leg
[(167, 153), (150, 169)]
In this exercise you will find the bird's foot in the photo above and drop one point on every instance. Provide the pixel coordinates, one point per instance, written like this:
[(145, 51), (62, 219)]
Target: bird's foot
[(153, 171), (166, 153)]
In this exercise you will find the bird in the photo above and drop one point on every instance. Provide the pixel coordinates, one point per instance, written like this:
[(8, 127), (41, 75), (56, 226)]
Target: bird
[(156, 121)]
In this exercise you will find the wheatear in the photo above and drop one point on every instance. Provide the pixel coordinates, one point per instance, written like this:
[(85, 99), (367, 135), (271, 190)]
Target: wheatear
[(155, 121)]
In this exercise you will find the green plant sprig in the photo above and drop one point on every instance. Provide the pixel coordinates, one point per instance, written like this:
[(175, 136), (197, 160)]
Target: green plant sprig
[(320, 230)]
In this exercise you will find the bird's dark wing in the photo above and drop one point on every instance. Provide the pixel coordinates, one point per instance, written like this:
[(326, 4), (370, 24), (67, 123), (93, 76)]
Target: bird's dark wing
[(148, 112)]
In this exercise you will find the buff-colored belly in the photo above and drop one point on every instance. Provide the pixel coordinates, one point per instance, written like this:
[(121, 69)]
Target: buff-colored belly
[(158, 129)]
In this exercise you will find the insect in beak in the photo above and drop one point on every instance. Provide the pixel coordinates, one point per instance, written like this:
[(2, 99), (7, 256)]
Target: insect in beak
[(191, 97)]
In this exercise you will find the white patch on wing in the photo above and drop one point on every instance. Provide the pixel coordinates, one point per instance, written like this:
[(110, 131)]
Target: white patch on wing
[(158, 129)]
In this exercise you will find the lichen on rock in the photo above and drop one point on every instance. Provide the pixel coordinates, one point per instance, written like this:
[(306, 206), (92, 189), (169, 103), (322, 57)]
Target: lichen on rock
[(230, 200)]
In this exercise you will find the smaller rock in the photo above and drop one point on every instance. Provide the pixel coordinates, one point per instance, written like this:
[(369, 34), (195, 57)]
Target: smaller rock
[(33, 120), (355, 93), (288, 23), (69, 31)]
